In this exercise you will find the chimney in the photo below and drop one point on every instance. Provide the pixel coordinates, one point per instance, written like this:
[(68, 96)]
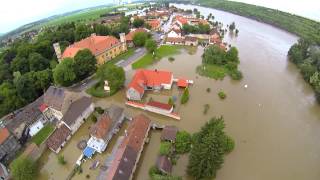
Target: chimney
[(57, 50)]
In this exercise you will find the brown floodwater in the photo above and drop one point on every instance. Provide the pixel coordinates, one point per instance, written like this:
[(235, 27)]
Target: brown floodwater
[(275, 121)]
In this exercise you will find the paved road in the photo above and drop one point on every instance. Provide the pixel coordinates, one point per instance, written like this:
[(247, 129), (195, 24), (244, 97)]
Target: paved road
[(138, 53), (84, 85)]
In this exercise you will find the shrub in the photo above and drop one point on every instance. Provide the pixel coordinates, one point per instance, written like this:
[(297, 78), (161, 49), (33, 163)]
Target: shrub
[(99, 110), (165, 148), (206, 108), (61, 160), (236, 75), (171, 59), (183, 142), (185, 96), (208, 90), (222, 95)]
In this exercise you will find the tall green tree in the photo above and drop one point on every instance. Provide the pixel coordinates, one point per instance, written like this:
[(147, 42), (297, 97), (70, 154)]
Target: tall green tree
[(64, 74), (37, 62), (26, 88), (151, 45), (208, 150), (140, 38), (113, 74), (84, 64), (20, 64), (183, 142), (9, 99), (138, 22), (82, 31)]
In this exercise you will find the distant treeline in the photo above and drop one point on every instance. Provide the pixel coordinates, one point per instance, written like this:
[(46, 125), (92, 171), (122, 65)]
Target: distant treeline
[(303, 27)]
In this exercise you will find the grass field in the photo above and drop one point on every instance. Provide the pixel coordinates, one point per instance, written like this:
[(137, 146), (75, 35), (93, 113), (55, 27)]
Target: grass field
[(212, 71), (161, 52), (97, 91), (42, 134), (123, 56)]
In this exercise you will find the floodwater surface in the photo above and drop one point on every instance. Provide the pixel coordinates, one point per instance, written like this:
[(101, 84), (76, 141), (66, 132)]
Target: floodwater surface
[(275, 122)]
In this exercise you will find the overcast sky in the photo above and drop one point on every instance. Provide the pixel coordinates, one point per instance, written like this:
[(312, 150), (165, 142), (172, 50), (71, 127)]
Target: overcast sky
[(14, 13)]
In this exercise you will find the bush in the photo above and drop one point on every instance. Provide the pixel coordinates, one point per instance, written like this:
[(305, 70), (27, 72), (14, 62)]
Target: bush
[(93, 118), (171, 59), (61, 160), (185, 96), (236, 75), (208, 90), (222, 95), (99, 110), (165, 148), (183, 142), (170, 101), (206, 108)]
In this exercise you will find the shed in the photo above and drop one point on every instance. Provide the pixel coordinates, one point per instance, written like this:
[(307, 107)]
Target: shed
[(169, 133), (164, 164)]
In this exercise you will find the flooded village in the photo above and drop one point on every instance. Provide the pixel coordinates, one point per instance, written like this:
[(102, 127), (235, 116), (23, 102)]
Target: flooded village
[(123, 135)]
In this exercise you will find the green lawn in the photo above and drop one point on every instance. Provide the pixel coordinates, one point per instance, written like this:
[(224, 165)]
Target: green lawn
[(123, 56), (42, 134), (161, 52), (212, 71)]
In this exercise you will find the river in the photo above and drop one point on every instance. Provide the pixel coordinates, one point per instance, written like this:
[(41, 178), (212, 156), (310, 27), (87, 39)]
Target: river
[(275, 121)]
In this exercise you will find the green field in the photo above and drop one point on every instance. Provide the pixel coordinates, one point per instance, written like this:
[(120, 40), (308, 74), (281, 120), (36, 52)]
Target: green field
[(301, 26), (161, 52), (43, 134), (212, 71), (123, 56)]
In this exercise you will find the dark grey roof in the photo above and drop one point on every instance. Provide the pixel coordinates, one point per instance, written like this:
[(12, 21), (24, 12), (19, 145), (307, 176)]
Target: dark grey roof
[(164, 164), (76, 109), (28, 115), (169, 133), (126, 164), (115, 112)]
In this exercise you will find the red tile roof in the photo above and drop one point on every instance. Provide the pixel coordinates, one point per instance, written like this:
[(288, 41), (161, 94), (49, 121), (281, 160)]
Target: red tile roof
[(4, 134), (58, 137), (96, 44), (159, 105), (101, 128), (43, 107), (149, 78), (182, 20), (155, 23), (169, 133), (182, 83), (175, 40), (129, 36)]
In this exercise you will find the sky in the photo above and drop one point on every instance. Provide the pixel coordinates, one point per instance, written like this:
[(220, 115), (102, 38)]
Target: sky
[(15, 13)]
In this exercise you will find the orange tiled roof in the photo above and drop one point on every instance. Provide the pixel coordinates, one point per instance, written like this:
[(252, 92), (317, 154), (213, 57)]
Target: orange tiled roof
[(96, 44), (149, 78), (159, 105), (182, 20), (4, 134), (101, 128), (155, 23)]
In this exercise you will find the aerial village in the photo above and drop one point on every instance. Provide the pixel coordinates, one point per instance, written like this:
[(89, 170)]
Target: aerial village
[(55, 118)]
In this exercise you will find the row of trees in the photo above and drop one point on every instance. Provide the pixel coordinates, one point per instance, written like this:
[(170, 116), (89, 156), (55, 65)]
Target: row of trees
[(210, 145), (197, 29), (307, 58), (144, 39)]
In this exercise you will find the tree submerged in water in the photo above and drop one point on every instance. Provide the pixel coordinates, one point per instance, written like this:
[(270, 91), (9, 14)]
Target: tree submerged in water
[(208, 150)]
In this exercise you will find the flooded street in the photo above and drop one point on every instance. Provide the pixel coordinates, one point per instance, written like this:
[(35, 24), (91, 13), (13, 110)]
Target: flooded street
[(275, 122)]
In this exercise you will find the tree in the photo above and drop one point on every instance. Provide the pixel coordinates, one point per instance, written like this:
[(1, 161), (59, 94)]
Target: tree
[(61, 160), (37, 62), (210, 145), (43, 79), (9, 99), (101, 30), (23, 169), (232, 54), (84, 64), (214, 55), (5, 72), (151, 45), (232, 26), (183, 142), (82, 31), (20, 64), (138, 22), (26, 88), (113, 74), (139, 38), (64, 74), (185, 96)]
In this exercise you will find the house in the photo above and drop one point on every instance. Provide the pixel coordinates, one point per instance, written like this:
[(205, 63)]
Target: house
[(181, 20), (215, 39), (155, 24), (148, 80), (191, 41), (159, 107), (175, 41), (174, 33), (108, 124), (4, 174), (103, 48), (164, 164), (78, 111), (59, 138), (9, 145), (128, 153), (182, 83), (27, 121), (130, 35), (169, 133)]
